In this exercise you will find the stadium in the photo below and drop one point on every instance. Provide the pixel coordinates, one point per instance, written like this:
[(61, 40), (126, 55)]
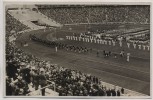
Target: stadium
[(77, 50)]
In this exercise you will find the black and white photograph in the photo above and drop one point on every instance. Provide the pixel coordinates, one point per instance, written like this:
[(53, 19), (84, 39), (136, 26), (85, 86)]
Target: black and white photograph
[(77, 50)]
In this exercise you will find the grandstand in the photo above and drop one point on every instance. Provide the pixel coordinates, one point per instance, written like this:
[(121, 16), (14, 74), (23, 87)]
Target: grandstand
[(25, 16), (97, 13), (78, 50)]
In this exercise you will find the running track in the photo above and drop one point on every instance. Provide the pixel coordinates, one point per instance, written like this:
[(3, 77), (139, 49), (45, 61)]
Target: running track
[(128, 76)]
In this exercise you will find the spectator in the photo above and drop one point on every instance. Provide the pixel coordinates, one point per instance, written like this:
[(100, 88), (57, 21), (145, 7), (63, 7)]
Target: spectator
[(122, 90)]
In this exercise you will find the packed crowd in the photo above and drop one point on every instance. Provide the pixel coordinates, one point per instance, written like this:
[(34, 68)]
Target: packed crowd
[(100, 14), (12, 63), (13, 25), (97, 14)]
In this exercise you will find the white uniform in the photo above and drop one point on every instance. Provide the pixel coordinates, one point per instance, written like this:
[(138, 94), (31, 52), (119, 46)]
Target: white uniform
[(110, 43), (83, 39), (98, 41), (79, 38), (66, 37), (56, 49), (73, 37), (120, 43), (148, 48), (113, 43), (95, 40), (91, 40), (134, 45), (128, 44), (86, 39), (105, 42), (139, 46), (128, 57), (144, 47)]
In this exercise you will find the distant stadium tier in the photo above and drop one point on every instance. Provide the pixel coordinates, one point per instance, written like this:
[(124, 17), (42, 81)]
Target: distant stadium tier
[(31, 17), (97, 13), (20, 7)]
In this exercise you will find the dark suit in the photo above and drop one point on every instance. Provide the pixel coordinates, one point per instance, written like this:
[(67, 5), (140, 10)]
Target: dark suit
[(42, 82)]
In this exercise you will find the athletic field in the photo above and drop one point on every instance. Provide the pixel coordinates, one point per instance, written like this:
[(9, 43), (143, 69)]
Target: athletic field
[(134, 75)]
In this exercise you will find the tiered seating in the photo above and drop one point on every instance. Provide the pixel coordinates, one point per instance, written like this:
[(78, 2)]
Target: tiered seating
[(13, 25), (26, 16), (97, 14)]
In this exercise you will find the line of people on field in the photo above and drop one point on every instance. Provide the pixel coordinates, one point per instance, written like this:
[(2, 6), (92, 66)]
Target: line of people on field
[(66, 47), (78, 49)]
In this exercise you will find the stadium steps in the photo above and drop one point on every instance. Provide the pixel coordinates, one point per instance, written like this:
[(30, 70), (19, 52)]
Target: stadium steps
[(31, 25), (24, 19), (26, 16), (49, 21)]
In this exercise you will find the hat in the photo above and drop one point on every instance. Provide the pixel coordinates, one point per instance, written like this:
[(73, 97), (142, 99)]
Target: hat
[(42, 69), (59, 87), (22, 63), (27, 66), (21, 91), (6, 77), (19, 77), (33, 67), (81, 91)]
